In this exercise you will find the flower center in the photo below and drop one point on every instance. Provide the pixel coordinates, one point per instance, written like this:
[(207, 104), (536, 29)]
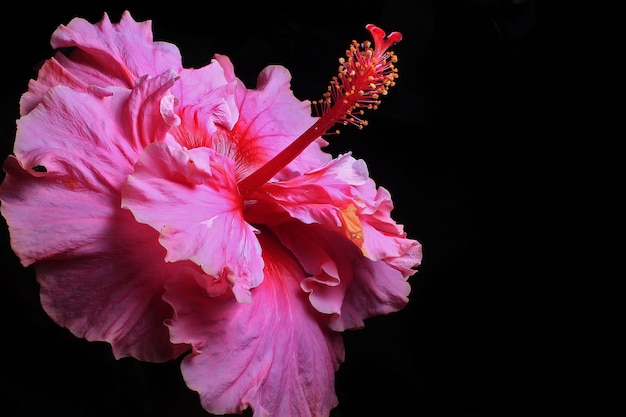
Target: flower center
[(365, 74)]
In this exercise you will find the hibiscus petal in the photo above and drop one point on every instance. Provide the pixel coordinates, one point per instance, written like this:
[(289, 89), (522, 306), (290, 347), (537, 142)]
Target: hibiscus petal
[(343, 281), (270, 118), (191, 199), (318, 196), (51, 74), (207, 90), (109, 54), (209, 102), (149, 110), (70, 133), (127, 309), (377, 289), (52, 209), (100, 273), (67, 136), (342, 197), (275, 355), (61, 200), (208, 87)]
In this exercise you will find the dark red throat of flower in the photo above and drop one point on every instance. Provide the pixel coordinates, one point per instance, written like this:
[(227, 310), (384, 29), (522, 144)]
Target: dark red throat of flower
[(365, 75)]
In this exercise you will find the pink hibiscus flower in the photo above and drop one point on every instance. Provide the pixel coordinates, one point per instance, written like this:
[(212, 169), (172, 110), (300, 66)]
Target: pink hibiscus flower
[(170, 210)]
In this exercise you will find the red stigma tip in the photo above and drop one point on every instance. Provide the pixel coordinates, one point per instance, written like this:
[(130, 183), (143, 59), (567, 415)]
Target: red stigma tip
[(382, 43)]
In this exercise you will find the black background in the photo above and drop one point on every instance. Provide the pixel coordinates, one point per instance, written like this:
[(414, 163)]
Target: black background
[(451, 144)]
